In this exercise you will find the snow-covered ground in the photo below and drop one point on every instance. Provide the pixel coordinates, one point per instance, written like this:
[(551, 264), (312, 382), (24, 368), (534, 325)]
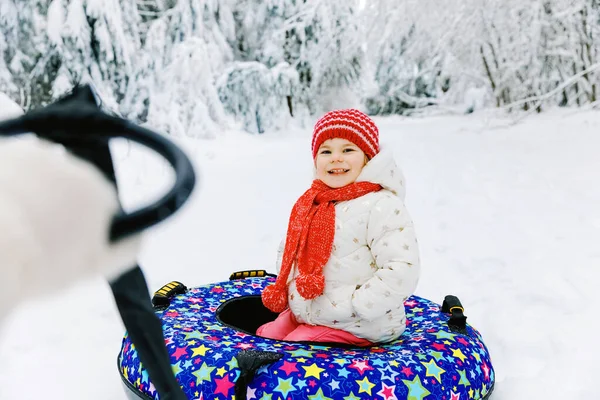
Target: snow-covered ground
[(508, 219)]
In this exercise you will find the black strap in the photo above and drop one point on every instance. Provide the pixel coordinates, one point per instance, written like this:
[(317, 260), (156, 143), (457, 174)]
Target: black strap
[(145, 330), (249, 361), (457, 321)]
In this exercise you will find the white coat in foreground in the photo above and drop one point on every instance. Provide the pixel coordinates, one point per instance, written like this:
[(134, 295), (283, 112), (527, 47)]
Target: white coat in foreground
[(55, 215)]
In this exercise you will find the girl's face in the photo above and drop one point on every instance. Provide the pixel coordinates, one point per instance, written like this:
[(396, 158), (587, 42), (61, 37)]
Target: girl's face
[(339, 162)]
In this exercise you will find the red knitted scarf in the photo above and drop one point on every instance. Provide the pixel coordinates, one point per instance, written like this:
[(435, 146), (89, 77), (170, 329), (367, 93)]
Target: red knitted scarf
[(309, 241)]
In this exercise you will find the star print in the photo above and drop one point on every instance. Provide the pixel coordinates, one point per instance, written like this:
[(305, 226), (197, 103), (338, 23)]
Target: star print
[(334, 385), (365, 386), (313, 370), (223, 386), (361, 366), (434, 370), (416, 390), (284, 386), (319, 396), (289, 367), (181, 351), (387, 392), (459, 354), (203, 374)]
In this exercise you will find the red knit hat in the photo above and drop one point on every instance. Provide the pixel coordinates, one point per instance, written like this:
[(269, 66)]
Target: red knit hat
[(352, 125)]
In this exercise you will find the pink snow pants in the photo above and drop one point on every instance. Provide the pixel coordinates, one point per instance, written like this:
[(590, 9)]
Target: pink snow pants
[(285, 327)]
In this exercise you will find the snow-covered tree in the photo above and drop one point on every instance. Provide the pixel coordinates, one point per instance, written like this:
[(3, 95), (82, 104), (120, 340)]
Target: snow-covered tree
[(239, 89), (184, 51), (97, 42), (320, 39)]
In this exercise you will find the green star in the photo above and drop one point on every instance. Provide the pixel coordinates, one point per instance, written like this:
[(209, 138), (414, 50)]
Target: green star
[(416, 391), (463, 378), (232, 363), (194, 335), (284, 386), (434, 370), (301, 353), (203, 374), (176, 368), (444, 335), (437, 355), (365, 386), (319, 396), (351, 397)]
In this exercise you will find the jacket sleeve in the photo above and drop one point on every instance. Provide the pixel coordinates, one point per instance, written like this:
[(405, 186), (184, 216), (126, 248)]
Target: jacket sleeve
[(392, 240)]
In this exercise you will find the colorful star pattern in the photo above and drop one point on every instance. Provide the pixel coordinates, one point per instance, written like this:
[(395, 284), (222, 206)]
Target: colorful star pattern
[(427, 362)]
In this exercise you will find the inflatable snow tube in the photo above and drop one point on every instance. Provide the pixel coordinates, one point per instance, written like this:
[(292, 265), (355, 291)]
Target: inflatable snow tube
[(214, 355)]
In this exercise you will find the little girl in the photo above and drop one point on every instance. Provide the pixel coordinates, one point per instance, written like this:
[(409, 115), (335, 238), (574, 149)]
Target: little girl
[(350, 258)]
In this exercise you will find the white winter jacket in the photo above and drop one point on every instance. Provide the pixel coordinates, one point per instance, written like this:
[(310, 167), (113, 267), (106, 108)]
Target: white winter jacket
[(374, 265)]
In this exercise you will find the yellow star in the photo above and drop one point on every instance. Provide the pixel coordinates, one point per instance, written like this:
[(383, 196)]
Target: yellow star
[(221, 371), (313, 370), (192, 342), (340, 361), (365, 386), (301, 360), (199, 351), (137, 382), (477, 356), (394, 363), (459, 354), (471, 393)]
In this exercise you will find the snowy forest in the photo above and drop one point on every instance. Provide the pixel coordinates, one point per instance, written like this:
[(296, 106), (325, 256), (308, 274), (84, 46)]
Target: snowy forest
[(197, 67)]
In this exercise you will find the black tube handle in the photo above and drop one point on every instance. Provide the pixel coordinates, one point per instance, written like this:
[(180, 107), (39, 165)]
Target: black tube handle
[(457, 321), (78, 124)]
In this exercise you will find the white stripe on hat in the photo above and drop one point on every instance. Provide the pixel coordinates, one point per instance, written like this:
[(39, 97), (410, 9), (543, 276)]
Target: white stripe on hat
[(372, 135), (348, 128)]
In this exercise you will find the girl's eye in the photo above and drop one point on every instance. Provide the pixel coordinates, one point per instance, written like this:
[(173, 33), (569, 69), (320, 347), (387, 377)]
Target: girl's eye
[(348, 150), (325, 152)]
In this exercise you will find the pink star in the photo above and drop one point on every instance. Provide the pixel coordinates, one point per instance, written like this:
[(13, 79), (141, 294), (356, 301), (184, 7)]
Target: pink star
[(407, 371), (217, 290), (181, 351), (387, 392), (462, 341), (454, 396), (223, 386), (439, 346), (486, 371), (410, 303), (289, 367), (361, 366)]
